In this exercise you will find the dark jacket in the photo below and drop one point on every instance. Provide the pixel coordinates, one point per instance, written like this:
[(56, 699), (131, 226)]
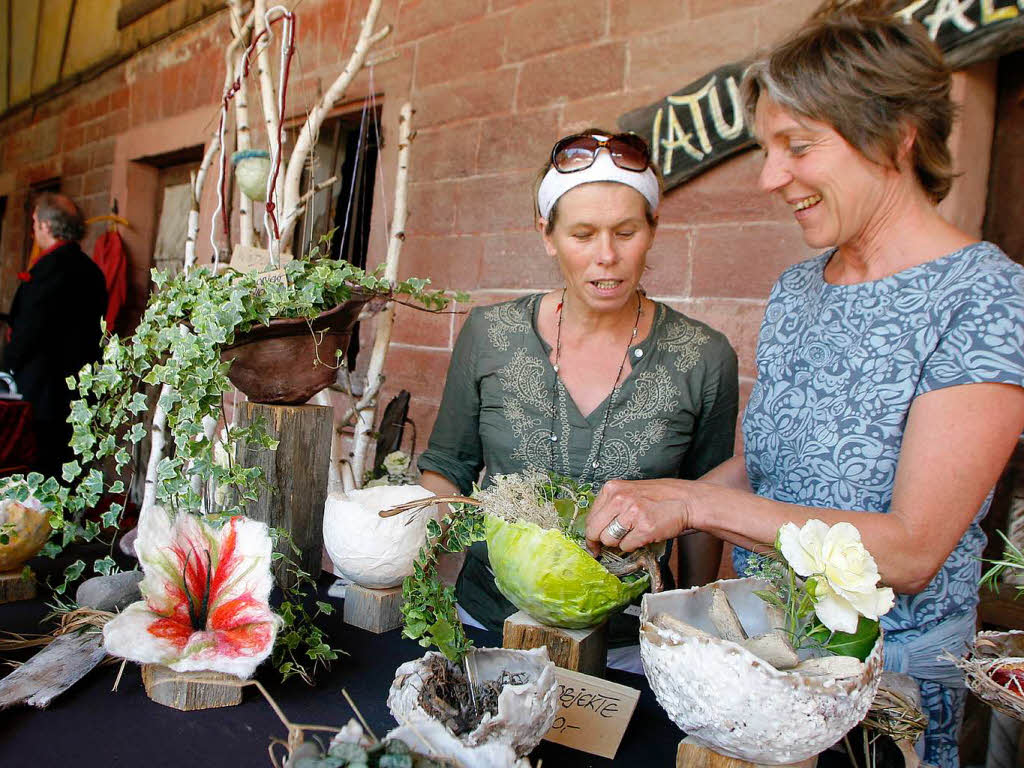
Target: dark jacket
[(55, 328)]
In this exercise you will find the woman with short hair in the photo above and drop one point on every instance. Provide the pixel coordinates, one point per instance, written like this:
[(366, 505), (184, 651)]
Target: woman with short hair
[(890, 387), (592, 381)]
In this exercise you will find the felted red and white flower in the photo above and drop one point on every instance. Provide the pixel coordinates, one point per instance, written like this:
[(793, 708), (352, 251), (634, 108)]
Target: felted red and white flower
[(205, 594)]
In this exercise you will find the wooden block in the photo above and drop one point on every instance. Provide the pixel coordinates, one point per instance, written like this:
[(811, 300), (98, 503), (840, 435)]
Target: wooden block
[(375, 610), (14, 587), (692, 755), (296, 475), (189, 695), (581, 650)]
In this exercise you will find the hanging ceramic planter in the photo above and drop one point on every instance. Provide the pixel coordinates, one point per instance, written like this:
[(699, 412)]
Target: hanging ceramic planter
[(289, 360), (252, 169)]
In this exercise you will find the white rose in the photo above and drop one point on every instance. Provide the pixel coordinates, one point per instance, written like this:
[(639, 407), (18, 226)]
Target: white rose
[(845, 574), (396, 463)]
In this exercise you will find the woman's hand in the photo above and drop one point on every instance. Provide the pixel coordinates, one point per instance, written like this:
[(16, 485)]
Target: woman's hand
[(651, 510)]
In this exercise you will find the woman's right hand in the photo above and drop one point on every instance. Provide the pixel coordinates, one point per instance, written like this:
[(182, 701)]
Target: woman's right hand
[(651, 510)]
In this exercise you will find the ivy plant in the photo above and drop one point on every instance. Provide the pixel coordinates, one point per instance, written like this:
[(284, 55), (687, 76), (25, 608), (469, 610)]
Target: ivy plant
[(176, 349)]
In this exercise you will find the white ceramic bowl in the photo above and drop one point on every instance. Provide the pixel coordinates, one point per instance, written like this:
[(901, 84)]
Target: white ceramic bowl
[(375, 552), (734, 703), (525, 712)]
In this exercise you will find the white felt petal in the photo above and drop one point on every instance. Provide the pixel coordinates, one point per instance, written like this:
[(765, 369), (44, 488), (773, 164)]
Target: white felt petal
[(251, 573), (127, 636)]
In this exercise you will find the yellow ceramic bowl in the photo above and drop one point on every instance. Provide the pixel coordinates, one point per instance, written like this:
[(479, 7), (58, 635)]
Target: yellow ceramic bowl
[(27, 527)]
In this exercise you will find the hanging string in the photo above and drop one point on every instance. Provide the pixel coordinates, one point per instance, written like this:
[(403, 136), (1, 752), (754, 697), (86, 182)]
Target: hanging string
[(357, 164), (380, 170)]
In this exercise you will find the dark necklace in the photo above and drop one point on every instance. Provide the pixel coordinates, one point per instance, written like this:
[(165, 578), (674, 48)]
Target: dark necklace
[(559, 388)]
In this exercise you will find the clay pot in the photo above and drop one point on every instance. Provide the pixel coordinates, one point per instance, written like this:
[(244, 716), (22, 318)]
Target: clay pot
[(277, 363), (31, 528), (736, 704), (525, 712)]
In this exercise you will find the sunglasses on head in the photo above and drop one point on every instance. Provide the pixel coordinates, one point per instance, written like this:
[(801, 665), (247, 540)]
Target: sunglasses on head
[(577, 153)]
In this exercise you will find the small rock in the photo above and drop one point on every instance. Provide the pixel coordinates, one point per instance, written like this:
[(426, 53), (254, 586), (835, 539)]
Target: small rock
[(109, 593)]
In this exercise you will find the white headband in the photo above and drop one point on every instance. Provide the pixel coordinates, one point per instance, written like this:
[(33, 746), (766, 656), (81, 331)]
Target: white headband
[(556, 184)]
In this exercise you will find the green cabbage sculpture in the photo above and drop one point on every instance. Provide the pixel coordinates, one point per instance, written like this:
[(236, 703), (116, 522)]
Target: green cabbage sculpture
[(552, 578)]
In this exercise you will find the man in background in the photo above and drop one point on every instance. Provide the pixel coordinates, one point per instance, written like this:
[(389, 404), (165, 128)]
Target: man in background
[(54, 325)]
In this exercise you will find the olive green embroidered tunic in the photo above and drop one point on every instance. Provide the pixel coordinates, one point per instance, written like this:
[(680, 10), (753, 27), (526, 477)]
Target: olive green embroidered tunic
[(673, 416)]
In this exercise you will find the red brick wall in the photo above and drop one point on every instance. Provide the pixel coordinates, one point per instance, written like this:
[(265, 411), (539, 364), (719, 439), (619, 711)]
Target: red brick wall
[(493, 82)]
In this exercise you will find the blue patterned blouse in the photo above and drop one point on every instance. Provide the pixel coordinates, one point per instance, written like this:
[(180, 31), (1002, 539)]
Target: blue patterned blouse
[(838, 369)]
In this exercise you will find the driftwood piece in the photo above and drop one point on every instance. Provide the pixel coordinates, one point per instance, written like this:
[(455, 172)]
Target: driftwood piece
[(296, 475), (671, 623), (724, 617), (164, 687), (774, 647), (15, 586), (53, 670), (581, 650), (375, 610), (692, 755), (831, 666)]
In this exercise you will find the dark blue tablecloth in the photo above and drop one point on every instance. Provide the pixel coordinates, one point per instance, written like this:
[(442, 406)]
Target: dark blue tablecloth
[(90, 725)]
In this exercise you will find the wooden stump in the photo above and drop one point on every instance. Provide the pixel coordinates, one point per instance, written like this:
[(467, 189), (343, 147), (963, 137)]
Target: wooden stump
[(14, 586), (189, 696), (581, 650), (692, 755), (375, 610), (297, 477)]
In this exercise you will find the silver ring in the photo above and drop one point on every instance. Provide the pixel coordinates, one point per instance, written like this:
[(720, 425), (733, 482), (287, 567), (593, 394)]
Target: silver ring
[(617, 530)]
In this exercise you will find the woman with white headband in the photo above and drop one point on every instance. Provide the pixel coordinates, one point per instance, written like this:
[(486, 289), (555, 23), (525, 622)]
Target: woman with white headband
[(593, 380)]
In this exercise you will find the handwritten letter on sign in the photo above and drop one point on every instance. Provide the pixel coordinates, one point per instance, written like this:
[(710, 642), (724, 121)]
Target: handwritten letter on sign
[(695, 127), (592, 713)]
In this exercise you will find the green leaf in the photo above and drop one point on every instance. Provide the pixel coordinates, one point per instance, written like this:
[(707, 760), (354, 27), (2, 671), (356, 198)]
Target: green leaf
[(857, 644)]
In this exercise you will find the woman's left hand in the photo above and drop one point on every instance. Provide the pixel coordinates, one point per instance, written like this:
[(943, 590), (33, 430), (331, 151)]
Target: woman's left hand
[(651, 510)]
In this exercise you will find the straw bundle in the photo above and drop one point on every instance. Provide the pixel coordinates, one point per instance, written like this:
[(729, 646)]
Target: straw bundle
[(991, 652)]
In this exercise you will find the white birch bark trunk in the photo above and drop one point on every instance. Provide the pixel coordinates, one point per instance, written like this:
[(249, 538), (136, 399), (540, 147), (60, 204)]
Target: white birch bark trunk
[(271, 118), (292, 208)]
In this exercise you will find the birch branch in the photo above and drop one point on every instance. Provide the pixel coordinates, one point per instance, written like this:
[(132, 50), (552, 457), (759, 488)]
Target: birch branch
[(158, 431), (311, 128), (271, 119), (243, 138), (386, 319)]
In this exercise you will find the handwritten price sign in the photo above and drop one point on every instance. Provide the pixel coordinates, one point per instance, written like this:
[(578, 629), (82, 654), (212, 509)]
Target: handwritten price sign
[(592, 713)]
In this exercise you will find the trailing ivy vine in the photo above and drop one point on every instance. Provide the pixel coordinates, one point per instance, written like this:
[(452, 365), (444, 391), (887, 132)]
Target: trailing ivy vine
[(176, 348)]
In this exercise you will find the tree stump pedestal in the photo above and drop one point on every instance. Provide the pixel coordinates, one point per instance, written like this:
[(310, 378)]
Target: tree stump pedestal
[(200, 691), (375, 610), (296, 474), (580, 650), (692, 755), (14, 586)]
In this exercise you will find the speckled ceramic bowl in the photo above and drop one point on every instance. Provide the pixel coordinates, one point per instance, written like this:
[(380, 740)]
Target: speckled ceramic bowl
[(29, 529), (731, 701), (525, 712)]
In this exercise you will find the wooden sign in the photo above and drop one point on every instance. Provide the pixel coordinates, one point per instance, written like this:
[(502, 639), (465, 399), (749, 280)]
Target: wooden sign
[(696, 127), (702, 124), (246, 258), (592, 713)]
